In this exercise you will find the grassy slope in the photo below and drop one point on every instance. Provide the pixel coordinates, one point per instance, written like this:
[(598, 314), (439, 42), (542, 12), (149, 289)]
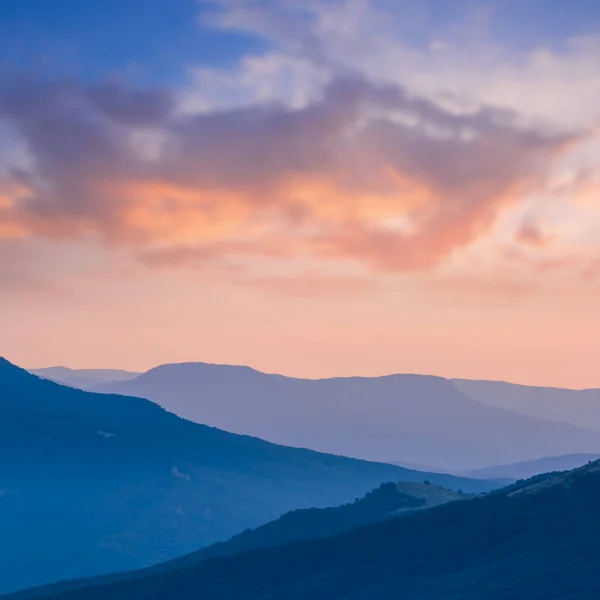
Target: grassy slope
[(386, 502), (536, 541)]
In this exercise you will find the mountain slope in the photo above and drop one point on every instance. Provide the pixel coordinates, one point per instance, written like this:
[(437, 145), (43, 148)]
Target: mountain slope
[(388, 501), (83, 378), (527, 469), (536, 540), (98, 484), (419, 419), (577, 407)]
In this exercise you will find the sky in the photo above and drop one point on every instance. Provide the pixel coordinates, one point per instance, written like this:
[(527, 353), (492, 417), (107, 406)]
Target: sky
[(316, 188)]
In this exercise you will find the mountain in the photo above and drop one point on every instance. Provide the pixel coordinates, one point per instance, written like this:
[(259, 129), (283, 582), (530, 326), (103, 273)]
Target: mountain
[(98, 484), (420, 419), (527, 469), (536, 540), (388, 501), (418, 466), (577, 407), (83, 378)]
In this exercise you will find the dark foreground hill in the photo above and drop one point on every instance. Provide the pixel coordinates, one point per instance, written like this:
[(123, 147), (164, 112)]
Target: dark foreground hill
[(388, 501), (93, 484), (537, 540)]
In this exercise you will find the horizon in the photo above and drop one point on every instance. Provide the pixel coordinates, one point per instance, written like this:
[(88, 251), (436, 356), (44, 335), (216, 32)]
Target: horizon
[(291, 376)]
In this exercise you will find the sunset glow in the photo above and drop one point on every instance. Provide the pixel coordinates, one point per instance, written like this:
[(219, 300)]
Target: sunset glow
[(346, 195)]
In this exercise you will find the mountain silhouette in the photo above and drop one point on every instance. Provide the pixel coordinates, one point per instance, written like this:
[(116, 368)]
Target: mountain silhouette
[(537, 539), (103, 483), (412, 418), (577, 407)]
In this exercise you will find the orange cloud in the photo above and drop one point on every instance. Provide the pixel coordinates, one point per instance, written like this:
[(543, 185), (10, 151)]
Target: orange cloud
[(10, 193), (328, 180), (162, 211)]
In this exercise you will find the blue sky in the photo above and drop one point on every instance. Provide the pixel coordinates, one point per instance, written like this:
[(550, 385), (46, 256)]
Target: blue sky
[(151, 40), (154, 40)]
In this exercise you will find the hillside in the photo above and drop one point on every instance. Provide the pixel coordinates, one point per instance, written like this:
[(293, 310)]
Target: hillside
[(98, 484), (388, 501), (577, 407), (527, 469), (419, 419), (536, 540)]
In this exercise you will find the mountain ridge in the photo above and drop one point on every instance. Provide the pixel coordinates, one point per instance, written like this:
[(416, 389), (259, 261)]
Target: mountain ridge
[(537, 539), (115, 483), (527, 469), (579, 407), (83, 378), (386, 502), (418, 418)]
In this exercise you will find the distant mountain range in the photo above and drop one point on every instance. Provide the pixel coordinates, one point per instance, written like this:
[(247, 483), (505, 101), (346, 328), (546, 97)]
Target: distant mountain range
[(93, 484), (388, 501), (527, 469), (83, 378), (577, 407), (411, 418), (536, 540)]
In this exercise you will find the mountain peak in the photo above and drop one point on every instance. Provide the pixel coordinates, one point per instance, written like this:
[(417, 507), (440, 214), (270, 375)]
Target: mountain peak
[(8, 369), (202, 365)]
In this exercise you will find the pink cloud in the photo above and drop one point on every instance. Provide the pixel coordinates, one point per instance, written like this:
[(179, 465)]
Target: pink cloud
[(333, 179), (530, 234)]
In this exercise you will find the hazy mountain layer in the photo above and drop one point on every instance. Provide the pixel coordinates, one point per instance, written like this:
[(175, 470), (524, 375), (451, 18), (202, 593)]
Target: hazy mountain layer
[(92, 484), (524, 470), (577, 407), (388, 501), (417, 419), (536, 540), (83, 378)]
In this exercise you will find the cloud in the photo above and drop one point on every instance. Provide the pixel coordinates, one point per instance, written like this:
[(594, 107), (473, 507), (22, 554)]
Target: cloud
[(529, 233), (366, 172), (457, 63), (341, 142)]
